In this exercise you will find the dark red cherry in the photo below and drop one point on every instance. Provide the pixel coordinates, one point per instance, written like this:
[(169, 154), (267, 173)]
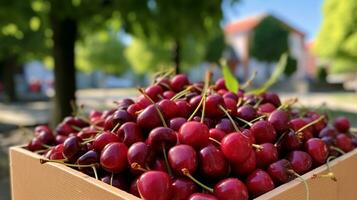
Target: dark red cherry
[(134, 188), (328, 131), (114, 157), (279, 171), (220, 84), (35, 144), (230, 95), (118, 117), (183, 156), (46, 137), (267, 155), (123, 104), (263, 132), (212, 106), (245, 168), (118, 181), (149, 118), (298, 123), (246, 112), (184, 108), (159, 165), (168, 94), (266, 108), (231, 189), (154, 185), (162, 137), (90, 157), (212, 162), (169, 108), (216, 134), (291, 141), (134, 109), (176, 123), (249, 135), (236, 147), (344, 142), (139, 153), (317, 149), (142, 102), (72, 148), (272, 98), (342, 124), (259, 182), (64, 129), (193, 133), (178, 82), (279, 119), (202, 196), (103, 139), (60, 139), (41, 128), (153, 91), (87, 132), (231, 106), (182, 188), (225, 125), (129, 133), (301, 161)]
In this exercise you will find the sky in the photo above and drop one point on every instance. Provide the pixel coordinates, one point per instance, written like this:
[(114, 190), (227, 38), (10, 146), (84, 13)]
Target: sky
[(305, 15)]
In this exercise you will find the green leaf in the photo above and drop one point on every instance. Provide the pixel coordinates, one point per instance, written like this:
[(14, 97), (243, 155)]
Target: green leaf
[(231, 82), (278, 71)]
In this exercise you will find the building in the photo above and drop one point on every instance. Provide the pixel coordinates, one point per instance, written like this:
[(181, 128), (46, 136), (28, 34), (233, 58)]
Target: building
[(238, 36)]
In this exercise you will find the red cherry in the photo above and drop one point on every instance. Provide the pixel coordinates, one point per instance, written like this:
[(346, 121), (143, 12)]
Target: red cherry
[(301, 161), (266, 108), (230, 95), (279, 171), (178, 82), (231, 189), (225, 125), (72, 148), (220, 84), (299, 123), (245, 168), (231, 105), (129, 133), (342, 124), (317, 149), (103, 139), (279, 119), (35, 144), (41, 128), (259, 182), (202, 196), (139, 153), (267, 155), (176, 123), (183, 156), (134, 188), (162, 137), (236, 147), (328, 131), (344, 142), (263, 132), (114, 157), (212, 106), (249, 135), (154, 185), (193, 133), (216, 134), (153, 91), (272, 98), (149, 118), (212, 162), (182, 188), (246, 112), (168, 94), (169, 108)]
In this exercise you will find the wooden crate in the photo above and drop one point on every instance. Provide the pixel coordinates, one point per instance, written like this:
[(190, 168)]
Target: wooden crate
[(34, 181)]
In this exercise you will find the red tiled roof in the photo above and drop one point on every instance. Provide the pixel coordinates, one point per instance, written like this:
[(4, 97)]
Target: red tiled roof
[(249, 23)]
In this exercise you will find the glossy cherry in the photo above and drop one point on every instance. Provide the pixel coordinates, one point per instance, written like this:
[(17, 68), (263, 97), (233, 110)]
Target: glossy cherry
[(154, 185), (259, 182), (317, 149), (182, 188), (263, 132), (213, 163), (279, 171), (183, 157), (103, 139), (195, 134), (231, 189), (267, 155), (342, 124), (279, 119), (129, 133), (114, 157), (236, 147), (301, 161)]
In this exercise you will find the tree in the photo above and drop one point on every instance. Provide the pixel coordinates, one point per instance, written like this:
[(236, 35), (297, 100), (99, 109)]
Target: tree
[(270, 40), (21, 39), (337, 38), (175, 22)]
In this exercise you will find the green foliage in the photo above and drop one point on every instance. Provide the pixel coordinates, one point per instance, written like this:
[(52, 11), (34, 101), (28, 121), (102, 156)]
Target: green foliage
[(341, 65), (231, 82), (278, 71), (270, 40), (291, 66), (101, 51), (321, 74)]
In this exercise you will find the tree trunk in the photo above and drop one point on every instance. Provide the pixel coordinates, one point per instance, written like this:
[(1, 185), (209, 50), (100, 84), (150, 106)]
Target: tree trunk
[(64, 38), (177, 56), (9, 72)]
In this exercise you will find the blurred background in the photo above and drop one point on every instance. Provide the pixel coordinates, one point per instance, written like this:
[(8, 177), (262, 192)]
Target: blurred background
[(93, 52)]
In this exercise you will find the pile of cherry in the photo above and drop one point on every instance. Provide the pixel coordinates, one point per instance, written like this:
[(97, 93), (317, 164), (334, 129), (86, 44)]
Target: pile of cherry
[(182, 140)]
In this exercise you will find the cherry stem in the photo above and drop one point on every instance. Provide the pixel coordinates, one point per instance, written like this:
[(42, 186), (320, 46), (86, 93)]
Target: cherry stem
[(166, 160), (214, 140), (304, 181), (180, 94), (311, 123), (156, 107), (187, 173), (195, 111), (95, 172), (115, 127), (258, 103), (76, 128), (250, 80), (287, 103), (254, 120), (279, 139), (257, 147), (111, 179), (43, 161), (245, 121), (338, 150), (229, 117), (88, 141), (137, 166), (329, 174), (47, 146), (240, 100), (41, 151)]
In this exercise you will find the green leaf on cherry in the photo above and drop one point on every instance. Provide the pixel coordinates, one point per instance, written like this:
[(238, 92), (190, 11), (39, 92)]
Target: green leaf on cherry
[(278, 71), (231, 82)]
